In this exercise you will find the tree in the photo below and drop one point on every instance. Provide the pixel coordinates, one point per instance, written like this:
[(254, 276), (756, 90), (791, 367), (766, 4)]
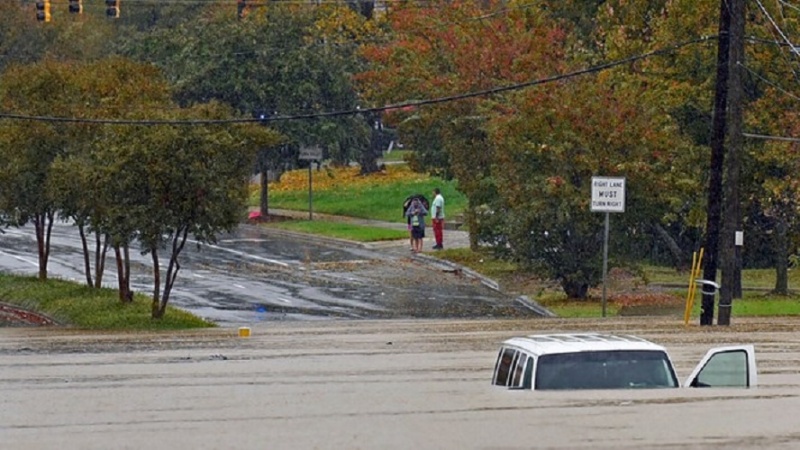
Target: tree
[(184, 182), (535, 150), (27, 149), (82, 184), (281, 60)]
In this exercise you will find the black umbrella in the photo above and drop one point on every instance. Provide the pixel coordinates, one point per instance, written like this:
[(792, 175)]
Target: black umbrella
[(410, 198)]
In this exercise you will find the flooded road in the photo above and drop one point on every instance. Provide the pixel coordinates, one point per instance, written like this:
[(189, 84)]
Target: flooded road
[(254, 275), (399, 384)]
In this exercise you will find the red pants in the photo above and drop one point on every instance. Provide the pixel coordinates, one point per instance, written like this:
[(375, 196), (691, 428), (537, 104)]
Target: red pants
[(438, 228)]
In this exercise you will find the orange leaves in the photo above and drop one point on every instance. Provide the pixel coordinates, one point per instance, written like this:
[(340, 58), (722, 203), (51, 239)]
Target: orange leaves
[(331, 178)]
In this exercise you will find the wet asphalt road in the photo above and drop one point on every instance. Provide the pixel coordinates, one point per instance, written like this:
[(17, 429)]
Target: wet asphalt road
[(254, 275)]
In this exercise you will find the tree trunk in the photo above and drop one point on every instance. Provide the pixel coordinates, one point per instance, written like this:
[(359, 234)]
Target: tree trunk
[(575, 289), (155, 305), (678, 260), (127, 266), (43, 225), (370, 155), (472, 226), (87, 265), (178, 242), (264, 198), (781, 257), (101, 250), (123, 282)]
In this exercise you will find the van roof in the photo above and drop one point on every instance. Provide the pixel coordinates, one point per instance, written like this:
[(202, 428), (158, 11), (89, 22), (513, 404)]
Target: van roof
[(543, 344)]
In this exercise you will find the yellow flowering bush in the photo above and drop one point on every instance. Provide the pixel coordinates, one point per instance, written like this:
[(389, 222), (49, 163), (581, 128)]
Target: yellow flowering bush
[(332, 178)]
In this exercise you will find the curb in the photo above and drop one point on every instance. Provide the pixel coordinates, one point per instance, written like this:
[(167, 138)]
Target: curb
[(314, 239), (522, 300), (534, 306), (486, 281), (19, 316)]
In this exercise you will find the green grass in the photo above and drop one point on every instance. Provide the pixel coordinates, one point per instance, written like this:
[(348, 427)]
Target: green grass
[(751, 278), (341, 230), (481, 261), (756, 302), (759, 305), (379, 202), (79, 306)]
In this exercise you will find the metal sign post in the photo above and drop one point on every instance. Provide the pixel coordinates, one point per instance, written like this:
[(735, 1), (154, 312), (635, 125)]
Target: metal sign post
[(608, 195), (310, 154)]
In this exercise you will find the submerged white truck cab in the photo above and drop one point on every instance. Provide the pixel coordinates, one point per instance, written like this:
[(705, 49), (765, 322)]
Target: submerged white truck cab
[(605, 361)]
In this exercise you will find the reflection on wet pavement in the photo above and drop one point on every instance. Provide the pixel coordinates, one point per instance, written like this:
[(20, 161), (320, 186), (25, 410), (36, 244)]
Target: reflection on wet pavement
[(250, 276)]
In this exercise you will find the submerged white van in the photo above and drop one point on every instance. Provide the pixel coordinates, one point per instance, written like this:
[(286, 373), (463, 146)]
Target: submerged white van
[(604, 361)]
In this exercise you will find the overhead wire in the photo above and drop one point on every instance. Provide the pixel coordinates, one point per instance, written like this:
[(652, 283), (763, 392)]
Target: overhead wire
[(770, 138), (769, 82), (784, 37), (350, 112), (776, 26)]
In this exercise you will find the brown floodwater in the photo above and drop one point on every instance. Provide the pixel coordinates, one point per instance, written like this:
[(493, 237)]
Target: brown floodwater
[(376, 385)]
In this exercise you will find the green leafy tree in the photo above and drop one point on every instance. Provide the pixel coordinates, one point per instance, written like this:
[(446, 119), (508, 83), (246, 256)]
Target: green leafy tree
[(81, 184), (190, 181), (525, 159), (280, 60), (27, 149)]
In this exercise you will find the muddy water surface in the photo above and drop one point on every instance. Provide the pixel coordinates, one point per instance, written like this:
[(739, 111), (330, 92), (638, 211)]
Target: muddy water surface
[(375, 384)]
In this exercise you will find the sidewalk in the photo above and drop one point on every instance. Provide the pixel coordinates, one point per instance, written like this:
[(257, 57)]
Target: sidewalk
[(452, 238)]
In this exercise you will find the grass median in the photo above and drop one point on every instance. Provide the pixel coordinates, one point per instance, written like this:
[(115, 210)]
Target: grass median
[(79, 306)]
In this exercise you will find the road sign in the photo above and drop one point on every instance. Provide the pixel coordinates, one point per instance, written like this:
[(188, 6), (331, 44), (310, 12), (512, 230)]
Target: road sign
[(608, 194), (310, 153)]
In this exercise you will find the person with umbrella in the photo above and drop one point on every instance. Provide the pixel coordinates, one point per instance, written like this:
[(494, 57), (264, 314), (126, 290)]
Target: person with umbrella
[(406, 205), (416, 213)]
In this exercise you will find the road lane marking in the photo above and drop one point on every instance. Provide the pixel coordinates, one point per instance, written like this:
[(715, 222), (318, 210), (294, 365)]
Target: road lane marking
[(243, 254), (20, 258), (242, 240)]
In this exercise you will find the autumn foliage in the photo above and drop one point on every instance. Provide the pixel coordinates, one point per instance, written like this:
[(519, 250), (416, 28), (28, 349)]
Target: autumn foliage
[(332, 178)]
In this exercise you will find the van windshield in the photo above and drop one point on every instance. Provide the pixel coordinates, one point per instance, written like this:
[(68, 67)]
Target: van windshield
[(618, 369)]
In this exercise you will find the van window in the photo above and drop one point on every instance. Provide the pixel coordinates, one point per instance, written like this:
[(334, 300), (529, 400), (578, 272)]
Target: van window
[(522, 371), (618, 369), (502, 369), (726, 369)]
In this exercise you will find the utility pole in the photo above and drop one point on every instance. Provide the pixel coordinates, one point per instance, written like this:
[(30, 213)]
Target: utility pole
[(714, 211), (732, 216)]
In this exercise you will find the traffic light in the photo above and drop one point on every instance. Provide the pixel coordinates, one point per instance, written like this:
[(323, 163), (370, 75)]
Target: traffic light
[(241, 8), (43, 10), (76, 6), (112, 8)]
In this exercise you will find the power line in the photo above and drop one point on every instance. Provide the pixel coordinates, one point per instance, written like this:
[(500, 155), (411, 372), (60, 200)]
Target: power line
[(783, 36), (769, 82), (351, 112), (784, 3), (770, 138), (775, 25)]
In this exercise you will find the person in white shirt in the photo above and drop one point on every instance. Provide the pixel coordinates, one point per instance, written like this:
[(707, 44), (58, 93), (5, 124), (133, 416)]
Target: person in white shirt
[(437, 218)]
